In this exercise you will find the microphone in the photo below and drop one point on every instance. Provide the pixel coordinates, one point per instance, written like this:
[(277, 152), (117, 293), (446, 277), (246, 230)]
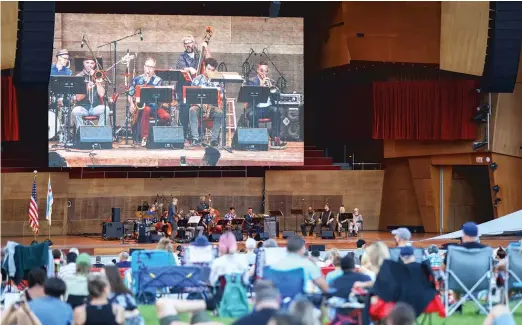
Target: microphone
[(141, 35), (83, 41)]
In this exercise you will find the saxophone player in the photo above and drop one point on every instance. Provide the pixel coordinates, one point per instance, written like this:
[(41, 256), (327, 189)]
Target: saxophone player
[(266, 110), (91, 104)]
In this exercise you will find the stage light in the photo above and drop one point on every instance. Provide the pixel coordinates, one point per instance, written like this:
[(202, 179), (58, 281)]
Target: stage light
[(497, 201), (478, 144), (482, 114), (496, 188), (493, 166)]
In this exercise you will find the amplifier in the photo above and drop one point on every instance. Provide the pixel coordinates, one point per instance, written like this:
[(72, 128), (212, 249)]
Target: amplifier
[(112, 230), (167, 137), (290, 99), (291, 123), (95, 137)]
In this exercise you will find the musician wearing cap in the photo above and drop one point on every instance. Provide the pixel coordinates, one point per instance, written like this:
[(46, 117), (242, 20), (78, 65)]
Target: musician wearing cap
[(188, 61), (61, 67), (92, 103), (212, 112), (268, 109), (148, 78)]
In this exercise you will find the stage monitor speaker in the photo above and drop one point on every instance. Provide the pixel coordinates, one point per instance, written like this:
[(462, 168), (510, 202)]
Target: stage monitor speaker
[(167, 137), (34, 48), (287, 234), (95, 137), (214, 238), (321, 248), (262, 236), (327, 234), (291, 123), (112, 230), (115, 215), (254, 139)]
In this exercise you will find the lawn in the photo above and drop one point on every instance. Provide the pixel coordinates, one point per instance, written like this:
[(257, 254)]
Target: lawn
[(469, 317)]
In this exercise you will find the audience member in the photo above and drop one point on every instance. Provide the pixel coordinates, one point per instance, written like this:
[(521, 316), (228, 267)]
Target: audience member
[(267, 300), (316, 258), (407, 254), (77, 284), (169, 310), (343, 285), (402, 236), (70, 268), (229, 261), (98, 310), (331, 276), (58, 260), (270, 243), (304, 312), (98, 264), (469, 238), (283, 319), (250, 246), (401, 314), (50, 309), (122, 296), (124, 260), (36, 280), (295, 260), (373, 258), (361, 245), (499, 315), (332, 255)]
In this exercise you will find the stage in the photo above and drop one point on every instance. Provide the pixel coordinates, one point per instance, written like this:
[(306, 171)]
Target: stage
[(137, 156), (98, 246)]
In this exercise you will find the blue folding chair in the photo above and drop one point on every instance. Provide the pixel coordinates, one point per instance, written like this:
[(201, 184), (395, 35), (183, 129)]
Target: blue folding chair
[(290, 284)]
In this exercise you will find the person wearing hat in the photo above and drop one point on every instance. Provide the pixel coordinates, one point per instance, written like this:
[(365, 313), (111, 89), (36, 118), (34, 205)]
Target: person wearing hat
[(407, 254), (91, 103), (77, 284), (61, 67), (469, 239), (402, 236)]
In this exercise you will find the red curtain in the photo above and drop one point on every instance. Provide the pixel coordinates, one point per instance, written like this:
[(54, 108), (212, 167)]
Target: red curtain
[(9, 111), (425, 110)]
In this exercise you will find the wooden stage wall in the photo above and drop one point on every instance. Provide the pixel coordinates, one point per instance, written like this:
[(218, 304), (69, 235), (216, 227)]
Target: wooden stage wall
[(81, 205)]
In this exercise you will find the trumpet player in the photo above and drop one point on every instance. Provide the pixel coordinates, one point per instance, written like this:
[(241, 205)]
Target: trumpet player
[(92, 103), (265, 110)]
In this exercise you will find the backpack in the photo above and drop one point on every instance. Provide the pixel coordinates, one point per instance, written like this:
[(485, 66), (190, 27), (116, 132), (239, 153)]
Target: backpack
[(234, 303)]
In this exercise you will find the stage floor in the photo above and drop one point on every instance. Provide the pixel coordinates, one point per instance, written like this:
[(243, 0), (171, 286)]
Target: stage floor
[(137, 156), (98, 246)]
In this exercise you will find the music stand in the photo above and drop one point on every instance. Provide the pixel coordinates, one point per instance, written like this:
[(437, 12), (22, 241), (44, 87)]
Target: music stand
[(253, 95), (277, 214), (156, 95), (68, 85), (296, 212), (200, 96), (343, 217), (174, 76)]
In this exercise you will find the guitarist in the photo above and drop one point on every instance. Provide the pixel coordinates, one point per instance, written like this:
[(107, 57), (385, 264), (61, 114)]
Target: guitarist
[(148, 78)]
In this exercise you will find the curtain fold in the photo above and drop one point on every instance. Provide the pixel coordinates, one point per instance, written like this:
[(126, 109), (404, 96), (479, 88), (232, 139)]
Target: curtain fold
[(425, 110), (10, 127)]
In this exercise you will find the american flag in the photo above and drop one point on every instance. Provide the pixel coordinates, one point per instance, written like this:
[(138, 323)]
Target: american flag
[(33, 210)]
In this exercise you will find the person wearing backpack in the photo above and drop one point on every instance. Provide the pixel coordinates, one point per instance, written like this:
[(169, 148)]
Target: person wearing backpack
[(230, 272)]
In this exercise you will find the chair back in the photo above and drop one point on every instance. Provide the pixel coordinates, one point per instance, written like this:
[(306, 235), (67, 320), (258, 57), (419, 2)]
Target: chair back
[(514, 268), (290, 283), (395, 254), (468, 266)]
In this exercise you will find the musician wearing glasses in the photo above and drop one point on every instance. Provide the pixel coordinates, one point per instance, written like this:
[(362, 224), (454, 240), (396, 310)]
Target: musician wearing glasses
[(61, 67), (148, 78), (92, 103), (187, 61), (212, 112), (266, 110)]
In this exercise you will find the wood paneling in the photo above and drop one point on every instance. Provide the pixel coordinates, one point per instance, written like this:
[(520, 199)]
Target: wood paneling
[(476, 158), (405, 148), (399, 203), (464, 36), (420, 169), (508, 176), (354, 189), (9, 33), (335, 51), (407, 31), (507, 123), (436, 192)]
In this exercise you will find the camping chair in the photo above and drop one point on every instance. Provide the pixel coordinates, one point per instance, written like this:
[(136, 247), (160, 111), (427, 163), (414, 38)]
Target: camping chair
[(468, 271), (395, 254), (409, 283), (513, 276), (290, 284)]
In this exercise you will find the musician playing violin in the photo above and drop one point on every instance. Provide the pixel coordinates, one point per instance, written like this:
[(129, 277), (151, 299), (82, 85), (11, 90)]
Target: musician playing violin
[(212, 112), (148, 78)]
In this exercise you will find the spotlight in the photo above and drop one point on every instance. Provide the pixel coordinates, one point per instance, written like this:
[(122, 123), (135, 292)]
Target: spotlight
[(493, 166), (478, 144), (482, 114), (496, 188), (497, 201)]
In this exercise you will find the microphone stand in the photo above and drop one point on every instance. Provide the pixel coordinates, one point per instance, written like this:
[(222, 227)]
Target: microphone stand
[(114, 89), (281, 81)]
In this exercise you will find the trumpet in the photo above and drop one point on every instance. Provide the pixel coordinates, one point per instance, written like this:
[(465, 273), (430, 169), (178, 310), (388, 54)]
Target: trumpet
[(267, 82)]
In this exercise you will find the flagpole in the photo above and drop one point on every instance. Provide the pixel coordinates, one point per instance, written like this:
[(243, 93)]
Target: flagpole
[(34, 180)]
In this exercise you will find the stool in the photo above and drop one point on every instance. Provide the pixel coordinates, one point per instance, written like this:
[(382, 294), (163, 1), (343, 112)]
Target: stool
[(90, 119)]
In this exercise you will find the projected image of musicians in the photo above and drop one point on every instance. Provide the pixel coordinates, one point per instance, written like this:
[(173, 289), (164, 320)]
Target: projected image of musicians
[(266, 110), (91, 104), (148, 78), (212, 112), (61, 67)]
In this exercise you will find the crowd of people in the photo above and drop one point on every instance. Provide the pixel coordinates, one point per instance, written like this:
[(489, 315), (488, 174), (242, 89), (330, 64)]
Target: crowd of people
[(81, 292)]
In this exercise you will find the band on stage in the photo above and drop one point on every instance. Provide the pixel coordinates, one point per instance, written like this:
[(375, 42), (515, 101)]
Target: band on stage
[(197, 68)]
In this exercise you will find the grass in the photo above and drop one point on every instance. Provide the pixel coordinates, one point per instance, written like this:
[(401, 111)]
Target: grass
[(469, 317)]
